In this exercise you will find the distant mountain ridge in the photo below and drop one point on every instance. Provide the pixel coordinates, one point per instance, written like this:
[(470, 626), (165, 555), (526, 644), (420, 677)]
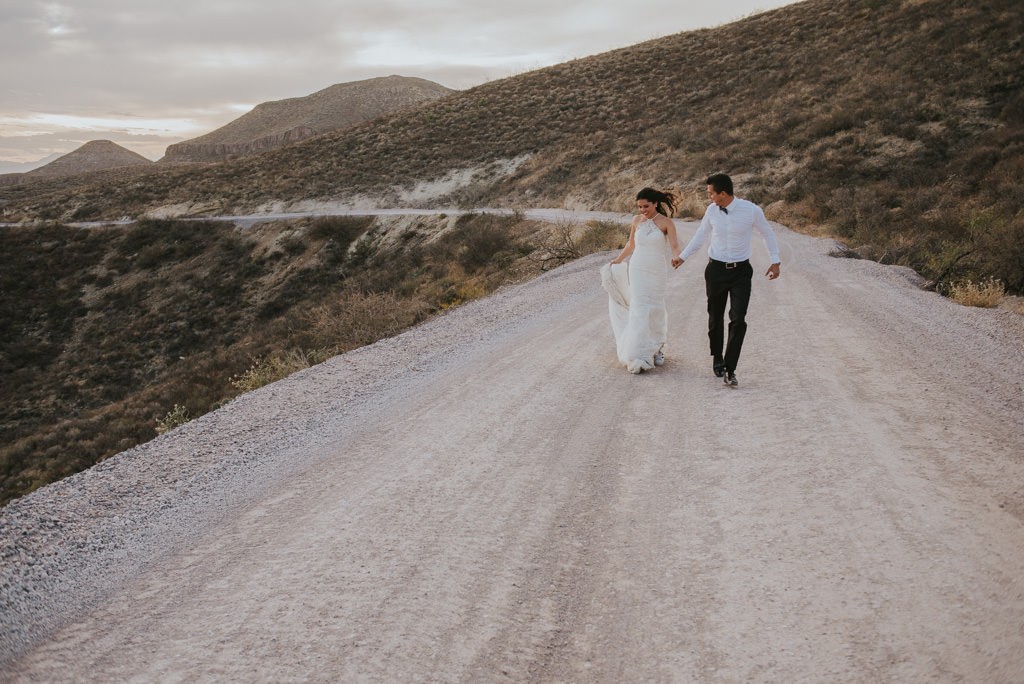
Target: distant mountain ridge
[(95, 155), (25, 167), (277, 123)]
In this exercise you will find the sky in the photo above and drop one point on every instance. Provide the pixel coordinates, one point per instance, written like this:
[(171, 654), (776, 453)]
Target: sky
[(149, 73)]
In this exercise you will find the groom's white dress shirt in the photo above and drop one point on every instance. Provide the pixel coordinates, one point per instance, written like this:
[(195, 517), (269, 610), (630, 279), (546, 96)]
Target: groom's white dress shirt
[(731, 232)]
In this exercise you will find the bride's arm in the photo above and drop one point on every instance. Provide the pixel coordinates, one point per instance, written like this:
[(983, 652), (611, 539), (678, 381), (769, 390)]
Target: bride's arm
[(672, 235), (628, 249)]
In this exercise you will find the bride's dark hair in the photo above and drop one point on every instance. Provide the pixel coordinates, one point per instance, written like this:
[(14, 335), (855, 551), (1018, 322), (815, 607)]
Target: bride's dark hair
[(665, 202)]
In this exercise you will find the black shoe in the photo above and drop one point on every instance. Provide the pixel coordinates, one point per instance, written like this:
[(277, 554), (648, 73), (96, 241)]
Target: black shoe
[(719, 368), (730, 379)]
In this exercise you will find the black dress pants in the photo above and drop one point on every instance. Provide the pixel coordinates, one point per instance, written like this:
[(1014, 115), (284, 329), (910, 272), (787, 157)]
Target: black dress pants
[(730, 284)]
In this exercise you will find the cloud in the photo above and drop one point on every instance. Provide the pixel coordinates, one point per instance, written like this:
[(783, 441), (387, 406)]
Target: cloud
[(199, 61)]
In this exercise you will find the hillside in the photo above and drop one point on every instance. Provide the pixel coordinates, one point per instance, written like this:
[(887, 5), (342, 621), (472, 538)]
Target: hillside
[(898, 126), (105, 332), (95, 155), (273, 124)]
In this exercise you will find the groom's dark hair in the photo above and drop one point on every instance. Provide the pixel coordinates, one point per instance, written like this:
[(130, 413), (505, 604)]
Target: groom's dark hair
[(720, 182)]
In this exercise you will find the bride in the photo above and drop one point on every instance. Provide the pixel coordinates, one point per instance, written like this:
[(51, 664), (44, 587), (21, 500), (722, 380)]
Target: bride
[(636, 289)]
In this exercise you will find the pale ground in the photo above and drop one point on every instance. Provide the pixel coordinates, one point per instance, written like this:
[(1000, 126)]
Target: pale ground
[(491, 497)]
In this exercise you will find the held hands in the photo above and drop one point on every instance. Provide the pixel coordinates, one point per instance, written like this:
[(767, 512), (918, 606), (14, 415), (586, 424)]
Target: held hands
[(773, 272), (677, 262)]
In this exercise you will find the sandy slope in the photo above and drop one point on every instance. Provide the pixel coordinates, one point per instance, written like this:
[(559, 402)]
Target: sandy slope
[(491, 497)]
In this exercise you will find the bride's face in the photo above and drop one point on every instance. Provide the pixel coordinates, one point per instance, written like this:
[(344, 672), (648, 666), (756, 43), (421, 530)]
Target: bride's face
[(646, 208)]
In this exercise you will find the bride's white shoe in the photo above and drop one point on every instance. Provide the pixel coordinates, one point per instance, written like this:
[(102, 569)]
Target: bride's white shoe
[(659, 359), (637, 366)]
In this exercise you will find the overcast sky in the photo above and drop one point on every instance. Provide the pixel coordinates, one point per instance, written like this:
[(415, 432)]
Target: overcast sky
[(148, 73)]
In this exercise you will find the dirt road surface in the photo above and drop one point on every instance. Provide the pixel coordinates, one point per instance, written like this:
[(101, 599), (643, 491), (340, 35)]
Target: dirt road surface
[(491, 497)]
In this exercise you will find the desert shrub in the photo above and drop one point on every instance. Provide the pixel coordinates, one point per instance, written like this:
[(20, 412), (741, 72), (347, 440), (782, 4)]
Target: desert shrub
[(985, 294), (360, 318), (558, 246), (567, 241), (273, 367), (330, 328), (178, 415), (998, 244), (86, 212), (293, 244), (462, 292), (41, 295), (481, 245), (338, 233), (151, 242), (482, 238), (301, 284), (362, 253), (603, 235)]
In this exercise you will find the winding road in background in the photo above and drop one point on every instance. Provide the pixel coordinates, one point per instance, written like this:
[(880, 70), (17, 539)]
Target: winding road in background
[(248, 220), (509, 504)]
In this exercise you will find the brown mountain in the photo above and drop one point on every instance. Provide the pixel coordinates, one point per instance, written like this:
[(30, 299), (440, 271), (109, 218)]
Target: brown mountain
[(277, 123), (95, 155)]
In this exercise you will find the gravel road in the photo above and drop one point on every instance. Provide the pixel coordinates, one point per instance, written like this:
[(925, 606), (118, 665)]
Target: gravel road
[(491, 497)]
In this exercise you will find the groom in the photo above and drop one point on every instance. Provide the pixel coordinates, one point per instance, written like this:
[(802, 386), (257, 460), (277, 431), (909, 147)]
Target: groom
[(730, 222)]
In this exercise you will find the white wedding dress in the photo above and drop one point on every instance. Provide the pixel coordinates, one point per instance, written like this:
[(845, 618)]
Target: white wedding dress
[(636, 299)]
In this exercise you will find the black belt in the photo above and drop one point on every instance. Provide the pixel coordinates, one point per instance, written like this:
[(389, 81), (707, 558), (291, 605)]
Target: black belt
[(729, 264)]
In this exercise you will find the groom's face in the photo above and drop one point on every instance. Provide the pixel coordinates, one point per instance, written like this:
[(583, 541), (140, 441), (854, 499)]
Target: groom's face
[(719, 198)]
